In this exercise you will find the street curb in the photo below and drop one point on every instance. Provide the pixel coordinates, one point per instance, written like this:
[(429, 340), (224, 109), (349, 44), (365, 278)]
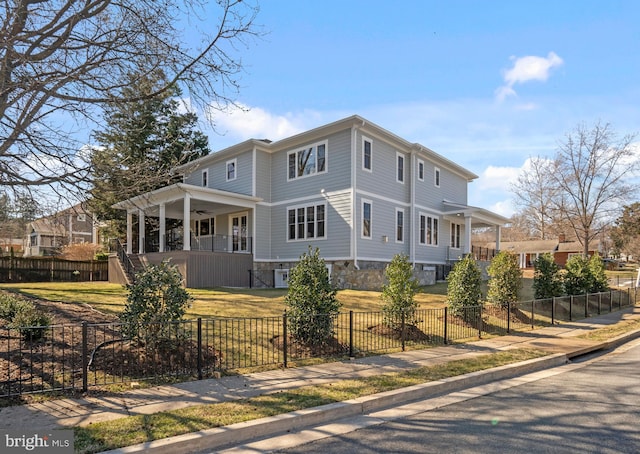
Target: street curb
[(239, 433)]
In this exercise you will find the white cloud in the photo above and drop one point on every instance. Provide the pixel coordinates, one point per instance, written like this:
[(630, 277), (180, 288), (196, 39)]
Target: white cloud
[(526, 69), (498, 177), (243, 122)]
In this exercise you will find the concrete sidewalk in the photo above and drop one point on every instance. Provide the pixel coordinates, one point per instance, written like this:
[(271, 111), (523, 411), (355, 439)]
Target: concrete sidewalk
[(560, 339)]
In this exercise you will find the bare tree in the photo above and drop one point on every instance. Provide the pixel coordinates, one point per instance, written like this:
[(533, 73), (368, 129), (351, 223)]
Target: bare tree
[(594, 172), (534, 191), (62, 60)]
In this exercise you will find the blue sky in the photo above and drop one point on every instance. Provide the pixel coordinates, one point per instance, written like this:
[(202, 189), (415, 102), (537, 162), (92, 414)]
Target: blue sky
[(487, 84)]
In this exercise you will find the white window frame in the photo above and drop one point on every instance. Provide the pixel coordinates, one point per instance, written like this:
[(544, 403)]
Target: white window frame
[(362, 219), (370, 142), (456, 234), (212, 226), (399, 157), (420, 170), (234, 162), (204, 179), (303, 224), (82, 217), (437, 175), (400, 227), (431, 235), (314, 147)]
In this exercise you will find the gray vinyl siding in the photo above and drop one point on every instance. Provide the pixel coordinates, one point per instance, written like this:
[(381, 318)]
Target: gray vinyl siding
[(262, 237), (382, 179), (337, 176), (452, 187), (383, 223), (337, 229), (217, 178), (263, 176)]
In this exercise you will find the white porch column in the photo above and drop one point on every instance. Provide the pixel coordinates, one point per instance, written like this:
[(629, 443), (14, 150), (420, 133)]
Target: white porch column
[(163, 227), (129, 232), (498, 237), (140, 232), (186, 223), (467, 235)]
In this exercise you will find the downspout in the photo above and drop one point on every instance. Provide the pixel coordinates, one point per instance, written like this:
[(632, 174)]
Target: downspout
[(412, 211), (354, 228)]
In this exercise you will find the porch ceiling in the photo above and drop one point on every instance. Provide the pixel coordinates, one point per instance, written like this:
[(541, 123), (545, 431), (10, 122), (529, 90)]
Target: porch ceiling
[(204, 202), (479, 216)]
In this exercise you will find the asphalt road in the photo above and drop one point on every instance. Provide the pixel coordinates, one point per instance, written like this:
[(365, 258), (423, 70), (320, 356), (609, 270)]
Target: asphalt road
[(593, 407)]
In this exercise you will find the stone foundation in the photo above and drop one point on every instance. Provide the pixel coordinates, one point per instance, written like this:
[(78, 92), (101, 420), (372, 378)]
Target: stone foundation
[(344, 275)]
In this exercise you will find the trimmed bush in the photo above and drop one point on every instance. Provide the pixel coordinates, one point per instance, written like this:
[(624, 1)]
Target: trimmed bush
[(463, 286), (398, 293), (311, 300), (23, 315), (505, 278), (547, 280)]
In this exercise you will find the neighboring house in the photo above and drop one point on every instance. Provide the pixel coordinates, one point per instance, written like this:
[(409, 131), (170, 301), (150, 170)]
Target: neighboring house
[(46, 236), (8, 244), (352, 189), (529, 250)]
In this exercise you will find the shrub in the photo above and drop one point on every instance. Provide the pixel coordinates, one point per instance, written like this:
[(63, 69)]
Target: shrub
[(31, 322), (398, 293), (155, 300), (505, 278), (311, 300), (599, 281), (547, 280), (463, 286), (578, 278)]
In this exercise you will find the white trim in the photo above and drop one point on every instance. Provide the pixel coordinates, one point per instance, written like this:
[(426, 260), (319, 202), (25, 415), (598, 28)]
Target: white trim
[(404, 167), (420, 163), (386, 199), (428, 216), (204, 178), (437, 177), (452, 235), (366, 139), (362, 203), (315, 148), (231, 216), (324, 195), (404, 223), (235, 169)]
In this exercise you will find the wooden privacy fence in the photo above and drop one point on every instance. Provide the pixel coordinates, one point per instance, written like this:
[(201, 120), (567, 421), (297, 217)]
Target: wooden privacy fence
[(51, 269)]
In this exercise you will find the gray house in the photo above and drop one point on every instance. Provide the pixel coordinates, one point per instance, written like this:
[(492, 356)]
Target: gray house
[(354, 190)]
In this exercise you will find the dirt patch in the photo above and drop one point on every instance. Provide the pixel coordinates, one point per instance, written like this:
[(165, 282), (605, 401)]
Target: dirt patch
[(411, 333), (298, 349)]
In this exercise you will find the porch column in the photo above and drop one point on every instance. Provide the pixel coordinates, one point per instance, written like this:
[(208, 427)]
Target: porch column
[(467, 235), (140, 232), (162, 227), (186, 223), (498, 237), (129, 232)]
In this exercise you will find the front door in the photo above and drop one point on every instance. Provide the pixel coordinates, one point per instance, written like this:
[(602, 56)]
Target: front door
[(239, 240)]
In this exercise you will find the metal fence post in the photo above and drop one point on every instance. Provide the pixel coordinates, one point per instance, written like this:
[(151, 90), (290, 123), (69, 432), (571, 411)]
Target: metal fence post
[(445, 326), (571, 308), (586, 305), (508, 317), (553, 310), (284, 338), (479, 321), (85, 358), (403, 330), (199, 359), (610, 300), (350, 334)]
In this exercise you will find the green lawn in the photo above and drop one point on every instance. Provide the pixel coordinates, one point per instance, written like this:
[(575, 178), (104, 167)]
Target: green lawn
[(226, 302)]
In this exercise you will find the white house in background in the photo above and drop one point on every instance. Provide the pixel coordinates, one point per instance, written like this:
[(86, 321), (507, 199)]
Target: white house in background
[(356, 191)]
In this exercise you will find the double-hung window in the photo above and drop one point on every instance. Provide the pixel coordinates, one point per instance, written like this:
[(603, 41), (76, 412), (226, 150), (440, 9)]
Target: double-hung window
[(307, 161), (231, 169), (399, 225), (205, 178), (366, 219), (306, 222), (399, 168), (367, 147), (436, 177), (455, 235), (428, 230), (420, 170)]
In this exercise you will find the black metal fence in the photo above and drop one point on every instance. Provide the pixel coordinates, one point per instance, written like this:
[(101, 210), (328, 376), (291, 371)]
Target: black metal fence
[(76, 357)]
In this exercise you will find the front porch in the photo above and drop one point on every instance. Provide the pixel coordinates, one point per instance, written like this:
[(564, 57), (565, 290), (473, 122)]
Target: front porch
[(207, 233)]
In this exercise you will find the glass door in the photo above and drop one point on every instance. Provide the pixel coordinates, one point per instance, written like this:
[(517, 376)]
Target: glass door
[(239, 242)]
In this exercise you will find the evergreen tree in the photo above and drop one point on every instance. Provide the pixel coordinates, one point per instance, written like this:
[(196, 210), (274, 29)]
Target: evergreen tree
[(463, 286), (599, 280), (578, 278), (547, 280), (398, 293), (311, 300), (141, 143), (505, 278)]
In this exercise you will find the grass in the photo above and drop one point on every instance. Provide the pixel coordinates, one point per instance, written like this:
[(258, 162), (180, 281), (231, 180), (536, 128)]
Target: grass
[(137, 429), (612, 331)]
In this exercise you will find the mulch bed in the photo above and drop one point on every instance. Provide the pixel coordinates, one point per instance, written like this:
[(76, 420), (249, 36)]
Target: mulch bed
[(297, 348), (412, 333)]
